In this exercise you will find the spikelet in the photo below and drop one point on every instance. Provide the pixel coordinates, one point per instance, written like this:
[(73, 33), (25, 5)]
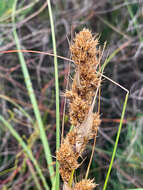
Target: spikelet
[(82, 98), (85, 184), (67, 157), (86, 58)]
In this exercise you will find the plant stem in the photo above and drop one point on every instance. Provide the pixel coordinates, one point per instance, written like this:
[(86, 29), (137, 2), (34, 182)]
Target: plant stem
[(33, 99), (116, 142), (26, 149), (57, 91)]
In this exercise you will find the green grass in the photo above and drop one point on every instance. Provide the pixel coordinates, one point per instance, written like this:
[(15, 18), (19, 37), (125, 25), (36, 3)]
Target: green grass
[(57, 91), (121, 119), (116, 142), (34, 101), (32, 97), (26, 149), (28, 153)]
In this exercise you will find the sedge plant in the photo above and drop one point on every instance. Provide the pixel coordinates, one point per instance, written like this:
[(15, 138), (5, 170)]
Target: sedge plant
[(75, 120), (82, 98)]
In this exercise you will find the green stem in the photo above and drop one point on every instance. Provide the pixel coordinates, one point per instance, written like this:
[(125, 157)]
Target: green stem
[(33, 99), (26, 149), (57, 91), (116, 142)]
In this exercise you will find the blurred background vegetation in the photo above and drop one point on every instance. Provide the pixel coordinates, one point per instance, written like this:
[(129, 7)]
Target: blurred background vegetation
[(117, 22)]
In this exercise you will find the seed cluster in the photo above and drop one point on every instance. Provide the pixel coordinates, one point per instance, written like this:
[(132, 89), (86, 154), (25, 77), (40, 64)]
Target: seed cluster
[(86, 58), (85, 184), (86, 82)]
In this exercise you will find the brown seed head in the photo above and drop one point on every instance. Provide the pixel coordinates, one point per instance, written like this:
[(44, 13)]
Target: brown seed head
[(85, 184), (67, 157), (85, 55), (84, 48)]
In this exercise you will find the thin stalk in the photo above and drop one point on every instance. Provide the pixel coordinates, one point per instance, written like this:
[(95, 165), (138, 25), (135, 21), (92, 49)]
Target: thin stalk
[(26, 149), (71, 178), (34, 175), (109, 58), (116, 51), (57, 91), (116, 142), (33, 99), (122, 115), (90, 161), (34, 51)]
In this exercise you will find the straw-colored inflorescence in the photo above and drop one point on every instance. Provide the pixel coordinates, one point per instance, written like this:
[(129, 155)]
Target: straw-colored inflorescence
[(82, 96), (85, 184)]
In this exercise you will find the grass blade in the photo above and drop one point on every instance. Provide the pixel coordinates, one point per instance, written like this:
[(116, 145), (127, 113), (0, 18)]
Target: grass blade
[(116, 142), (26, 149), (57, 91), (33, 99), (34, 175)]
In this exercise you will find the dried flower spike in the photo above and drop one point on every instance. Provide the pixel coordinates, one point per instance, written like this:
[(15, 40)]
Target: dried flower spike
[(82, 98), (85, 184), (86, 58)]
